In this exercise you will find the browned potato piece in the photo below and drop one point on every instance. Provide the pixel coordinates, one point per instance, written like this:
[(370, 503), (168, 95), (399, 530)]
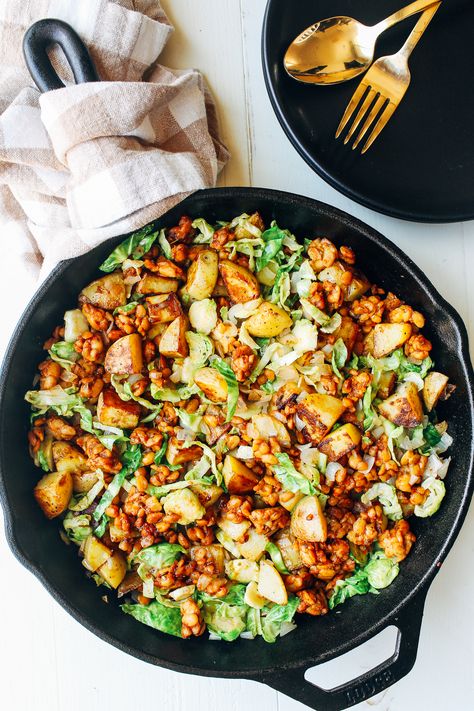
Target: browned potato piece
[(404, 406), (125, 355), (206, 493), (108, 292), (348, 331), (96, 553), (156, 331), (238, 478), (241, 284), (215, 550), (386, 384), (173, 343), (319, 413), (340, 442), (202, 275), (388, 337), (114, 569), (163, 308), (212, 383), (269, 320), (434, 386), (178, 453), (288, 499), (152, 284), (335, 273), (308, 522), (53, 493), (115, 412), (67, 457), (117, 534), (82, 481)]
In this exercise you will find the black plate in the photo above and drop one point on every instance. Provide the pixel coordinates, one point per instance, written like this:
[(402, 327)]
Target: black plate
[(36, 543), (422, 166)]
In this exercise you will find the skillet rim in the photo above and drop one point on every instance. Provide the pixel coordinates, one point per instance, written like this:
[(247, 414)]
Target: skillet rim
[(418, 591)]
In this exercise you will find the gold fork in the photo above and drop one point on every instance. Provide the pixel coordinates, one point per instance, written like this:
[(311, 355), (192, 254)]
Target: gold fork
[(383, 88)]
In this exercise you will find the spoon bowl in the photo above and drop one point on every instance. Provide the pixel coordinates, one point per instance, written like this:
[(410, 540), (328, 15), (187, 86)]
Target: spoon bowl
[(331, 51), (339, 48)]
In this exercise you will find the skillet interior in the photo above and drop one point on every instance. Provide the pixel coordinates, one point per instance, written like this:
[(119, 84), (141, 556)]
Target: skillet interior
[(36, 542)]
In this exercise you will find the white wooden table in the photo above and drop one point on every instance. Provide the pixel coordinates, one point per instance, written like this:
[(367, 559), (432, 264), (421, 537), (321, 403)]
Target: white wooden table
[(48, 661)]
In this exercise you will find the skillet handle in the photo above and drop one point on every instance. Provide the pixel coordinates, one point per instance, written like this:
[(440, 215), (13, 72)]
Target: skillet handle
[(39, 38), (408, 622)]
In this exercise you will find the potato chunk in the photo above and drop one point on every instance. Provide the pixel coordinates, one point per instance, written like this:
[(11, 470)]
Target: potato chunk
[(173, 343), (96, 553), (308, 522), (241, 284), (108, 292), (238, 478), (404, 406), (152, 284), (53, 493), (114, 412), (270, 584), (268, 321), (389, 336), (340, 442), (202, 275), (185, 504), (286, 542), (253, 544), (212, 383), (234, 530), (206, 493), (178, 453), (348, 331), (67, 457), (163, 308), (319, 413), (114, 569), (125, 355), (434, 386), (386, 384)]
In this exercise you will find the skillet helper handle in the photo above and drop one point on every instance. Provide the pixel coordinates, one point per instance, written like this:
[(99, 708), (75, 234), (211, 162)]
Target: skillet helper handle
[(39, 38), (293, 682)]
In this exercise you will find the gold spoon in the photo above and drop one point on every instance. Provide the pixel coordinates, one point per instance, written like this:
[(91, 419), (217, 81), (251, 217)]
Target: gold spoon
[(338, 49)]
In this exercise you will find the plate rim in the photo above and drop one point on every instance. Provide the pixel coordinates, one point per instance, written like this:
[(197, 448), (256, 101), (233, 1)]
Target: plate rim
[(313, 163)]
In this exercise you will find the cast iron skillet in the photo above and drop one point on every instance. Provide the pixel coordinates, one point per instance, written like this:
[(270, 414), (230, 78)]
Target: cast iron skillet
[(37, 545)]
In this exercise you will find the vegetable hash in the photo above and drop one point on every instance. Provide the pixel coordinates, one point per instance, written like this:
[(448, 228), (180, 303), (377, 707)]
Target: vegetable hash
[(236, 426)]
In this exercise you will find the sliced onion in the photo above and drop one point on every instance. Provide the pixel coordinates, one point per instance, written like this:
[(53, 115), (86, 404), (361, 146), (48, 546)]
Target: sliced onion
[(414, 378), (327, 349), (413, 479), (436, 467), (240, 311), (299, 424), (244, 452), (331, 470)]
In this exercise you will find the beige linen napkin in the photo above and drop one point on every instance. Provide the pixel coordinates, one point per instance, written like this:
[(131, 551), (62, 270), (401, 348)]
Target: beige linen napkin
[(90, 161)]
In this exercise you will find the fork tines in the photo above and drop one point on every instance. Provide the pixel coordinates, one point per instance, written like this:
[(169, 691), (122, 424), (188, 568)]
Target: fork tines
[(375, 111)]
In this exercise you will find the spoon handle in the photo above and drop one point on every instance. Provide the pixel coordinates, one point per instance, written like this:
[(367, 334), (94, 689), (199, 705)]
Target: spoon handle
[(416, 33), (403, 13)]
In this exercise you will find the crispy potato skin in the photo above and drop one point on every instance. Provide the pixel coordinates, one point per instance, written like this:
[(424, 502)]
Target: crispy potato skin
[(403, 407), (125, 357), (433, 388), (319, 413), (340, 442), (53, 493), (115, 412), (173, 342), (269, 320), (207, 494), (389, 336), (202, 275), (177, 453), (152, 284), (163, 308), (238, 478), (108, 292), (241, 284), (212, 383)]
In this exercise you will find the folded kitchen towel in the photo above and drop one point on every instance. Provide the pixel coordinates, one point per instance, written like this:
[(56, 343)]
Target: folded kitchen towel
[(90, 161)]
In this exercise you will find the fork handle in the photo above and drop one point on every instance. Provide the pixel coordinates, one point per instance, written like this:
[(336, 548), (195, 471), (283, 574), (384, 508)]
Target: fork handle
[(416, 33), (402, 14)]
